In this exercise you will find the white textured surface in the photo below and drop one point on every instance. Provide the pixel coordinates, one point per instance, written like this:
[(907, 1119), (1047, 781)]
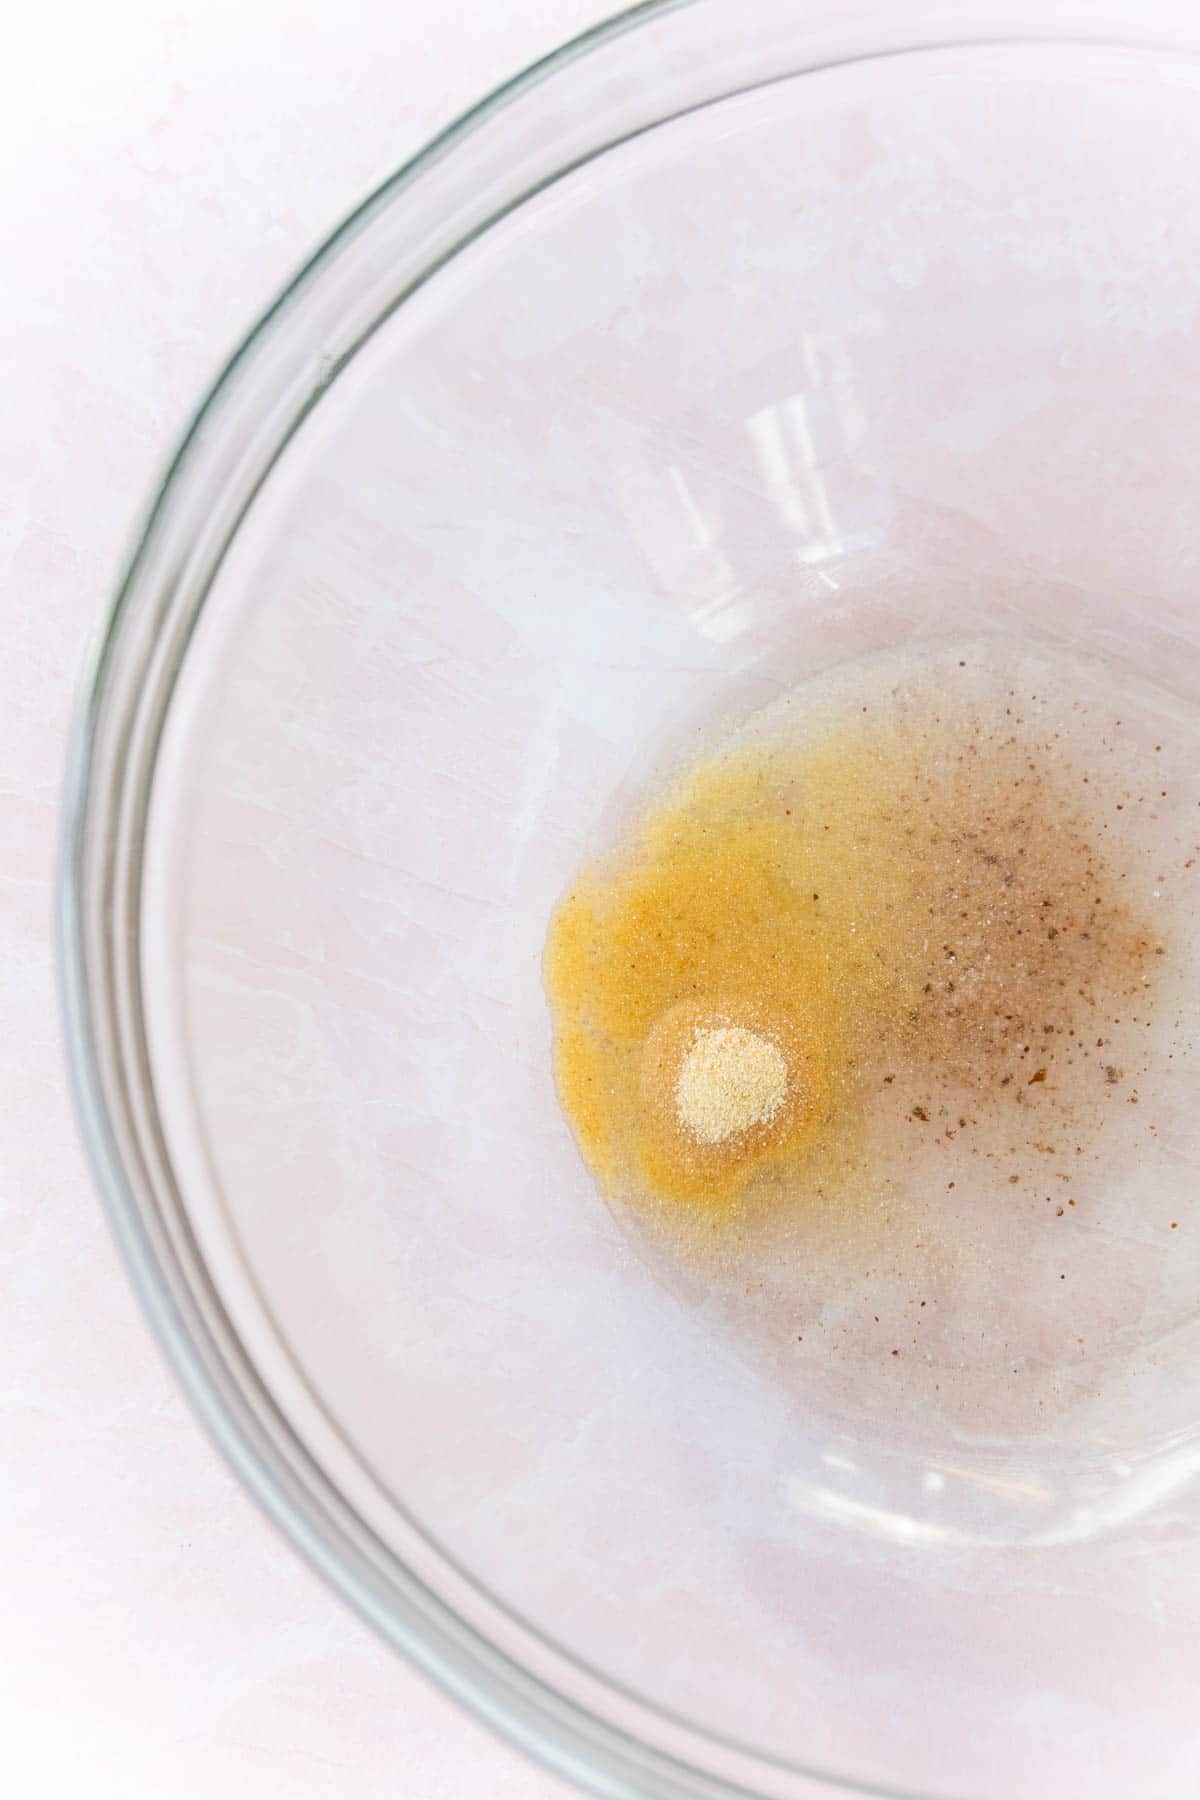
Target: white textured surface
[(162, 169)]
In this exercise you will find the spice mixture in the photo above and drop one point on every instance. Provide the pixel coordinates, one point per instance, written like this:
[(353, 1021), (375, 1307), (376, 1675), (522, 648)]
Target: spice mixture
[(909, 914)]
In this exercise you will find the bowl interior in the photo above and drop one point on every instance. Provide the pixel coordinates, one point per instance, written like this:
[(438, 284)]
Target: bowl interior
[(898, 353)]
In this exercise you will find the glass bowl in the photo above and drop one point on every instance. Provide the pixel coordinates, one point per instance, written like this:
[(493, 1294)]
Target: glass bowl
[(728, 345)]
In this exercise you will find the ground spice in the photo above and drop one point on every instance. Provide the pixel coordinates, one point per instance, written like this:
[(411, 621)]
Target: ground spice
[(729, 1080)]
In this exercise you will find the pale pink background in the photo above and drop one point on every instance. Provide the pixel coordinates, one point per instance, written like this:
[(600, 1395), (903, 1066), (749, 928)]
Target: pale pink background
[(162, 169)]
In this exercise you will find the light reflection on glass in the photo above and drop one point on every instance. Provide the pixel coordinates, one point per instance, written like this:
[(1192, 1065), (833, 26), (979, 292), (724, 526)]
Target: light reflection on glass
[(833, 1461), (791, 474), (881, 1522), (721, 497), (990, 1509), (721, 613), (681, 537)]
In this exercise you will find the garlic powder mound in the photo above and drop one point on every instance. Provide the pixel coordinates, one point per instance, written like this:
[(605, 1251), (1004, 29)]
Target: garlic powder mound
[(730, 1079)]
